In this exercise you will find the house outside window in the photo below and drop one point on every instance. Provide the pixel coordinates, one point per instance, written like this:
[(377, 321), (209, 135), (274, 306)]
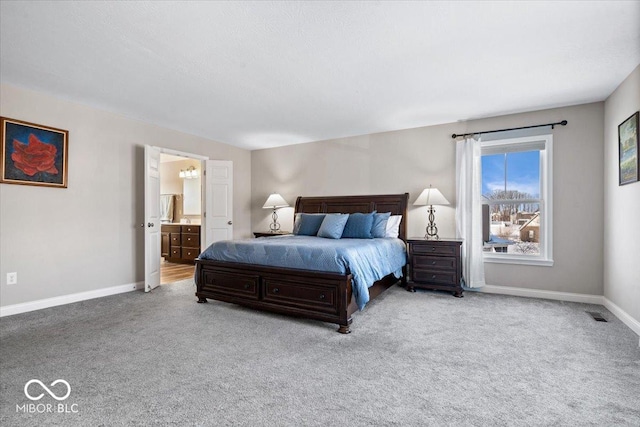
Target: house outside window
[(517, 200)]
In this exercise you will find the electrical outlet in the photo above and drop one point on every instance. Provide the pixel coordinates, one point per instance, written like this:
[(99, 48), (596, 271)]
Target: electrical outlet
[(12, 278)]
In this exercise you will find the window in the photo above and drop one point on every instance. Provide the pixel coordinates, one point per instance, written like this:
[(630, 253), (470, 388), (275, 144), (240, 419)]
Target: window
[(516, 199)]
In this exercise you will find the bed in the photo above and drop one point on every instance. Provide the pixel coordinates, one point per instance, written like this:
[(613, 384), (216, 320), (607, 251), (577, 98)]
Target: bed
[(320, 295)]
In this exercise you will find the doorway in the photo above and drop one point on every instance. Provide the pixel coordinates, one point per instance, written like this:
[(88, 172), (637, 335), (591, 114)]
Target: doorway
[(180, 216), (197, 209)]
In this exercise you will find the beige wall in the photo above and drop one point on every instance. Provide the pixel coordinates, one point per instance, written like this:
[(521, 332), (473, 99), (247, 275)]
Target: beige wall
[(88, 236), (410, 160), (622, 206)]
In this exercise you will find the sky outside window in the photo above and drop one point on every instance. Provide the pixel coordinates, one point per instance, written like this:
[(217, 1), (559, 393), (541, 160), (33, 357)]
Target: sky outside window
[(523, 172)]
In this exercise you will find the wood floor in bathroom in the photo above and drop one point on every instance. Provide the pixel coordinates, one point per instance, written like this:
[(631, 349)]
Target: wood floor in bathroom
[(171, 272)]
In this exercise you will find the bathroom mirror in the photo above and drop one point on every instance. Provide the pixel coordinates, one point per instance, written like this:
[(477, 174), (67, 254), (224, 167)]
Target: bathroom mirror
[(191, 201)]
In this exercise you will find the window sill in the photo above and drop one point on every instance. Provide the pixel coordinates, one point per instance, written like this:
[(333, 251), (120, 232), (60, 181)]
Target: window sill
[(522, 260)]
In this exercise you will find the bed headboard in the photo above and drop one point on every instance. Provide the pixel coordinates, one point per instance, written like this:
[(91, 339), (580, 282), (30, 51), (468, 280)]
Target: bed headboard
[(394, 203)]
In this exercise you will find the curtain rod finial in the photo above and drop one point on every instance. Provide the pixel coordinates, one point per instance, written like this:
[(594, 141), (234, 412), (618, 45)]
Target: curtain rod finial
[(564, 123)]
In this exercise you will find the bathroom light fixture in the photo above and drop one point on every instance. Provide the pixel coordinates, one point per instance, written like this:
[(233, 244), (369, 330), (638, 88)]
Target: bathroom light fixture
[(190, 173)]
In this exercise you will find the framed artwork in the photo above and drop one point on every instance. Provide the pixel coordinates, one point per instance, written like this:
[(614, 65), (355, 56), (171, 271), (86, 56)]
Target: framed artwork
[(628, 149), (33, 154)]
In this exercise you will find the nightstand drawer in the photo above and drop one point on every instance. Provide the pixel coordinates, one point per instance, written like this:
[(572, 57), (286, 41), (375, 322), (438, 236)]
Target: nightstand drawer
[(432, 276), (425, 262), (428, 248)]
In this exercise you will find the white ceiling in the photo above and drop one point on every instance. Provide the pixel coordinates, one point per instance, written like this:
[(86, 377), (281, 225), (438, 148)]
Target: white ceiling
[(271, 73)]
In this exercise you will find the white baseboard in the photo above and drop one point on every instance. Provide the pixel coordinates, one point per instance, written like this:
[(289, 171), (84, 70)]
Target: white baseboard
[(622, 315), (535, 293), (25, 307)]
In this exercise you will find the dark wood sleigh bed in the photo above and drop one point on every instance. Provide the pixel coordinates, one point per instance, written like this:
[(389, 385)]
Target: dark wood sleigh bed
[(309, 294)]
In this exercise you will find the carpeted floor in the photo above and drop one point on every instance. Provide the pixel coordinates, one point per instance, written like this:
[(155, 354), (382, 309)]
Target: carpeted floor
[(422, 358)]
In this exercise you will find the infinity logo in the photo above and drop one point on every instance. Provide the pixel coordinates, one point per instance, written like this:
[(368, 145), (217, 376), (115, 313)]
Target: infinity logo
[(38, 397)]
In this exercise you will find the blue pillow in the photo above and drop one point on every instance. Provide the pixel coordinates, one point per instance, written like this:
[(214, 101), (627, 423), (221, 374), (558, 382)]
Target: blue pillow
[(309, 224), (333, 225), (297, 220), (359, 226), (379, 227)]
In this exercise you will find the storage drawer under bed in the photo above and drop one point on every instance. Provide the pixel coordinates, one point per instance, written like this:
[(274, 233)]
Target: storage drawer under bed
[(232, 284), (320, 297)]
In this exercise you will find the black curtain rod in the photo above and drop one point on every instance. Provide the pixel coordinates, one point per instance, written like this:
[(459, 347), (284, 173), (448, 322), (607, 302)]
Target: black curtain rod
[(563, 123)]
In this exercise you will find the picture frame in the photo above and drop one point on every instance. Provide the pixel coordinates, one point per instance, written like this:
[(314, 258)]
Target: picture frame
[(628, 150), (33, 154)]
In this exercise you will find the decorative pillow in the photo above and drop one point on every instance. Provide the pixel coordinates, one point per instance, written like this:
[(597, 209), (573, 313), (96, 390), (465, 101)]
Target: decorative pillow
[(309, 224), (358, 226), (393, 226), (297, 220), (379, 227), (333, 225)]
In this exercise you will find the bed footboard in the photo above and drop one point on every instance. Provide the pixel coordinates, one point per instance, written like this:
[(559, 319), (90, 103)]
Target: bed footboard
[(310, 294)]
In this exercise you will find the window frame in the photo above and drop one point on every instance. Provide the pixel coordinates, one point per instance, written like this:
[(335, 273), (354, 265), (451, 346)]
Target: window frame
[(546, 198)]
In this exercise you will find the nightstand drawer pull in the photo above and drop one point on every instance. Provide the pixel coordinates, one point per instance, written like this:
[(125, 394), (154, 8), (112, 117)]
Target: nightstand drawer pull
[(276, 290), (322, 296), (247, 285), (433, 277)]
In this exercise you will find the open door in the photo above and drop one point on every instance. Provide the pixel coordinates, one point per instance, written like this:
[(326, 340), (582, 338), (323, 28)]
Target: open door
[(151, 218), (218, 201)]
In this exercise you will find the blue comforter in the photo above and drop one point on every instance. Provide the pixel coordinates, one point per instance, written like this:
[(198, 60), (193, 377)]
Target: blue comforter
[(368, 260)]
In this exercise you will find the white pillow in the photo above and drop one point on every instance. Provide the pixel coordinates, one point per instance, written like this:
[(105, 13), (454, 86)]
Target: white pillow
[(393, 226)]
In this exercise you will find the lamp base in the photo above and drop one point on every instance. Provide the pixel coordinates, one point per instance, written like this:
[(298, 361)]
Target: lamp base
[(432, 230), (274, 227), (428, 236)]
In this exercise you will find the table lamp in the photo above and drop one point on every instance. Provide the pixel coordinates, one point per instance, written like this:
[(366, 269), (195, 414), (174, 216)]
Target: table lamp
[(429, 197), (275, 201)]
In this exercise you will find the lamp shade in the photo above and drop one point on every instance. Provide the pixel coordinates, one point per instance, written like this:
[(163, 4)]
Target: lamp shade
[(275, 201), (431, 196)]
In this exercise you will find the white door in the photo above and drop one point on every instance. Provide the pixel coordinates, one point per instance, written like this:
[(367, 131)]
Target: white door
[(218, 201), (151, 218)]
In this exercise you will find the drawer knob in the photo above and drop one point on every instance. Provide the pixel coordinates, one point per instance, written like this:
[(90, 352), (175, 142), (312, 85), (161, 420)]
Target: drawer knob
[(322, 296), (276, 290), (433, 249), (433, 263), (247, 285), (433, 277)]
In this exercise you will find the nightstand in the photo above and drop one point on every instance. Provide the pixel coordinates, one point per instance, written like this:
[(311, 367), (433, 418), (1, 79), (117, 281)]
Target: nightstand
[(435, 264), (270, 234)]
